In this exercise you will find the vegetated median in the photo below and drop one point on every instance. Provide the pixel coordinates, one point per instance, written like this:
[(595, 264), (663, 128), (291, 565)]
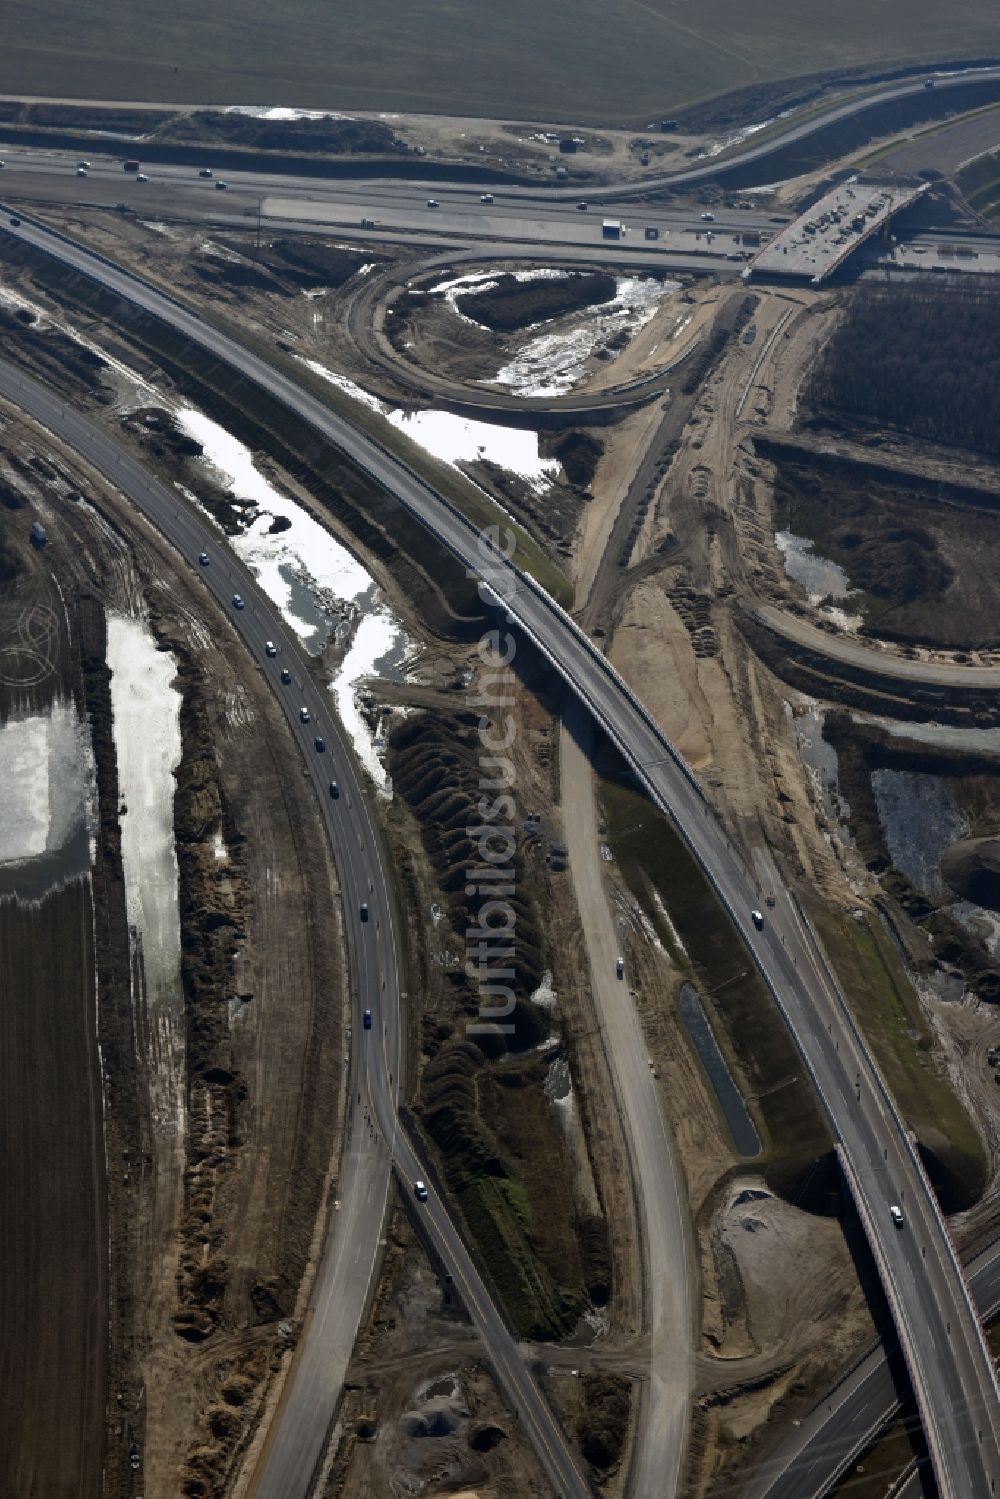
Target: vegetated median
[(796, 1160)]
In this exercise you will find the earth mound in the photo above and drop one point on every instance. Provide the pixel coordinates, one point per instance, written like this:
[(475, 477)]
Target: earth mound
[(972, 869)]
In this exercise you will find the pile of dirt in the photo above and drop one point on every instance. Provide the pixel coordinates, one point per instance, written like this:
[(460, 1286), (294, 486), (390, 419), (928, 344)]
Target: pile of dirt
[(972, 869), (482, 1098), (512, 304), (330, 135), (579, 452), (603, 1425)]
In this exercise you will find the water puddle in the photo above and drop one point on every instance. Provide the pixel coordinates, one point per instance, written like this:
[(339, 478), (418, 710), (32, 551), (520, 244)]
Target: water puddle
[(821, 578), (730, 1100)]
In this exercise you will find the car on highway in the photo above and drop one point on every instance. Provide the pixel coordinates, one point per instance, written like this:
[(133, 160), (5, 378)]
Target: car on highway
[(270, 649), (420, 1191), (483, 197), (205, 172), (83, 166), (304, 715), (141, 177), (320, 745), (238, 601), (709, 218), (364, 910), (15, 222), (620, 968), (222, 187), (757, 917), (896, 1214), (433, 203), (3, 163), (81, 171), (583, 206), (334, 791), (366, 1020), (203, 558), (286, 675)]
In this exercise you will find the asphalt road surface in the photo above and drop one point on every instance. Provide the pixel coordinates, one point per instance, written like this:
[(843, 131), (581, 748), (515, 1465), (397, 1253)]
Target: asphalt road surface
[(293, 1452), (952, 1373), (849, 1418)]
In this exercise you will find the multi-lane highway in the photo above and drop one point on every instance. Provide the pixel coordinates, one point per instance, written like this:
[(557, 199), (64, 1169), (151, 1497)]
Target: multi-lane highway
[(375, 1143), (948, 1362), (849, 1417)]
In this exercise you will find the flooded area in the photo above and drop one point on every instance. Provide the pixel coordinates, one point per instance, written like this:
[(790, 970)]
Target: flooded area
[(919, 821), (49, 801), (553, 363), (730, 1100)]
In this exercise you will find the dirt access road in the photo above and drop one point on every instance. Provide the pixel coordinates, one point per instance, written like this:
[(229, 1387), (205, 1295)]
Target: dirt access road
[(660, 1191)]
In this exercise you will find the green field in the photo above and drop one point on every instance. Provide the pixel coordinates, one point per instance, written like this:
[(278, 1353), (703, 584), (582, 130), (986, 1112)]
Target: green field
[(627, 60)]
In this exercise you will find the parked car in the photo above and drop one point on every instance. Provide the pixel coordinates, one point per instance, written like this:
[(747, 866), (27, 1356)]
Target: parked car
[(620, 968)]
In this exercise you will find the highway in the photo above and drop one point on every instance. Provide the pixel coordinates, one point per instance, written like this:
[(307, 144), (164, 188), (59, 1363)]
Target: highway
[(375, 1143), (850, 1416), (949, 1365)]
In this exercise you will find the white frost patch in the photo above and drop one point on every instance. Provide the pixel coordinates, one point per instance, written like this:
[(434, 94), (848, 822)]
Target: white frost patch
[(47, 772), (457, 439), (379, 636), (283, 112), (146, 710), (664, 915), (553, 363), (545, 995), (219, 848)]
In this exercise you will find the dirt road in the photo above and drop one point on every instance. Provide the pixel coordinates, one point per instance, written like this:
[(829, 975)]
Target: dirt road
[(663, 1421)]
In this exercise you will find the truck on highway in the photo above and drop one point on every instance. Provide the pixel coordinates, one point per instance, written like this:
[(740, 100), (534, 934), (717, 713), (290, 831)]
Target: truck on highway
[(612, 229), (131, 165)]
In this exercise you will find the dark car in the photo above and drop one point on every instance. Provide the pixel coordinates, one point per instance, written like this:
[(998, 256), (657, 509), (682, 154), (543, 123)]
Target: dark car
[(15, 222), (238, 602), (364, 910), (203, 558), (334, 790), (583, 206), (320, 744), (367, 1020), (286, 675)]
